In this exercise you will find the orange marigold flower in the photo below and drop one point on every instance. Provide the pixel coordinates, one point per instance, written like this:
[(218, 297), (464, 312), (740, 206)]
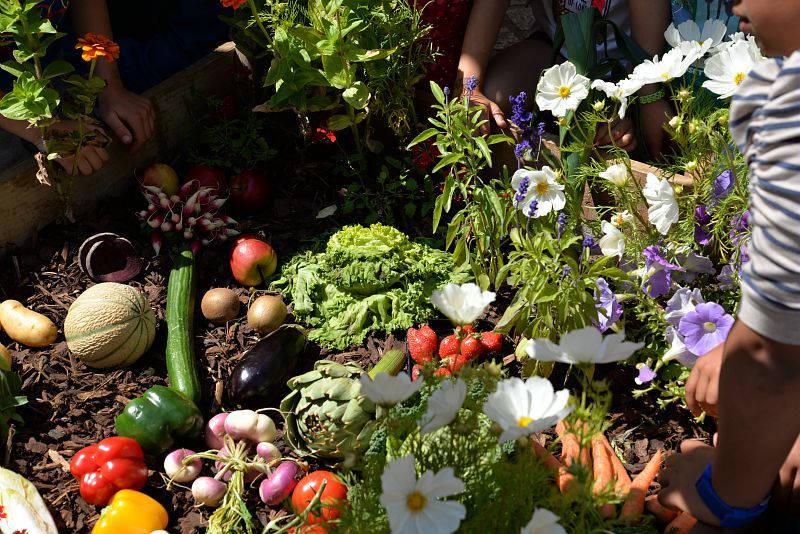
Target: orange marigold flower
[(235, 4), (93, 46)]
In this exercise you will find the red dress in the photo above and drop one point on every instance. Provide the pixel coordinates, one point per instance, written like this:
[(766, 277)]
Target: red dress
[(448, 19)]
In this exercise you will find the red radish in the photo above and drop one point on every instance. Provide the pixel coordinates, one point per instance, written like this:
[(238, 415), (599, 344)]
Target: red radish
[(250, 191), (208, 177)]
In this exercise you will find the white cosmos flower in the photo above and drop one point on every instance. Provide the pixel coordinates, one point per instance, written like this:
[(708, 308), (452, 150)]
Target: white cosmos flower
[(663, 210), (538, 190), (414, 506), (673, 64), (613, 241), (443, 405), (543, 521), (462, 304), (388, 390), (617, 174), (524, 407), (561, 89), (619, 91), (728, 68), (584, 346), (712, 34), (621, 218)]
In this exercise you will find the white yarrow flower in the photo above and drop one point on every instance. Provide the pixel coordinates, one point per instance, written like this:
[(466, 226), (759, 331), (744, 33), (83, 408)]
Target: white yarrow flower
[(584, 346), (686, 33), (663, 210), (543, 521), (443, 405), (619, 91), (617, 174), (462, 304), (524, 407), (414, 506), (613, 241), (388, 390), (728, 68), (538, 190), (671, 65), (561, 89)]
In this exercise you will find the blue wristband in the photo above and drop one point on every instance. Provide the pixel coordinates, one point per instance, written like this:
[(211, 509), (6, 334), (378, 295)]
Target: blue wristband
[(729, 516)]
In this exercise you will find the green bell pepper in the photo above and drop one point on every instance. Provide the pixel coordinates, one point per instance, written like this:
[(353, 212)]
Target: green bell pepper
[(159, 418)]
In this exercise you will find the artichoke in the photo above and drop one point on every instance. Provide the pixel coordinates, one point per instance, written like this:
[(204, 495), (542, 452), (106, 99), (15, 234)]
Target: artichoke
[(326, 415)]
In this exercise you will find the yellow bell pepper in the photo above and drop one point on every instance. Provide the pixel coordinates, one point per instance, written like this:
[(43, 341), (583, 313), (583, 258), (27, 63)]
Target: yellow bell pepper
[(131, 512)]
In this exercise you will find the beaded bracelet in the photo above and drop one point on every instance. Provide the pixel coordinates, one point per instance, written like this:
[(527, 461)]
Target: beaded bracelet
[(653, 97)]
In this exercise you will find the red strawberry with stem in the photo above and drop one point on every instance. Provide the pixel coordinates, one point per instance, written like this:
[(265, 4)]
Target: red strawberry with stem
[(422, 343), (456, 361), (492, 341), (449, 346), (415, 371), (442, 371), (472, 348)]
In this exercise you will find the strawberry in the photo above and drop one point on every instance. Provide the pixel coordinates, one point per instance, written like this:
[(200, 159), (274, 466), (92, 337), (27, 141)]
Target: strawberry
[(442, 371), (456, 361), (465, 329), (449, 346), (472, 348), (415, 371), (422, 343), (492, 341)]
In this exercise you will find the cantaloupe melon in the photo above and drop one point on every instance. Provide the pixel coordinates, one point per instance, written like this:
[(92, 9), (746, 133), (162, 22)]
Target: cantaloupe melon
[(110, 325)]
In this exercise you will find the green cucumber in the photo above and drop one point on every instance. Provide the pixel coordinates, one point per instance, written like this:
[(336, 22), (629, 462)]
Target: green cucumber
[(390, 363), (181, 364)]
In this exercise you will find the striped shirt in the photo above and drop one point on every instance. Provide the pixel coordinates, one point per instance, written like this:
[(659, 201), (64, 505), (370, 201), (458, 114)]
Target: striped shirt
[(765, 123)]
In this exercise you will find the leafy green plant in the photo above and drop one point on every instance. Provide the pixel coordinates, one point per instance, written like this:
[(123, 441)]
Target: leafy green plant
[(234, 144), (10, 400)]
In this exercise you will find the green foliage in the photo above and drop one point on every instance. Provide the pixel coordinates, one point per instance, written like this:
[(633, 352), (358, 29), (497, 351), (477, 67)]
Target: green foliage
[(369, 278), (234, 144), (10, 400)]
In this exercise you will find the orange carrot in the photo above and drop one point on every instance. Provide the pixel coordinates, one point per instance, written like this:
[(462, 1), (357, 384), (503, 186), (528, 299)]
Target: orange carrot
[(563, 479), (681, 525), (603, 474), (623, 480), (662, 514), (634, 502), (571, 448)]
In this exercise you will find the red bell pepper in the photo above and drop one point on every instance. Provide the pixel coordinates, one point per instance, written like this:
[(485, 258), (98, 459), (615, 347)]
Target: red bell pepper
[(109, 466)]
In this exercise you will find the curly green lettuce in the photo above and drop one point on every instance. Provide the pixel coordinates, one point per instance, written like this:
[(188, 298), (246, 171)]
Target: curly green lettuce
[(368, 279)]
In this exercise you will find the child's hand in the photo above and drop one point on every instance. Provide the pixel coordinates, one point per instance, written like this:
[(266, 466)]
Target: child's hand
[(654, 116), (786, 492), (491, 112), (90, 158), (619, 133), (130, 116), (678, 480), (702, 387)]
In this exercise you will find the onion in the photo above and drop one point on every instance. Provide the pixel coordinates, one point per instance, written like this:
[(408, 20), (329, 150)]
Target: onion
[(279, 484), (247, 424), (180, 471), (268, 451), (215, 430), (208, 491)]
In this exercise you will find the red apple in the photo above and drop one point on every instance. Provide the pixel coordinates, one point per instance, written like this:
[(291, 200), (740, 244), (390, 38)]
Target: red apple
[(252, 260), (208, 177), (250, 191), (162, 176)]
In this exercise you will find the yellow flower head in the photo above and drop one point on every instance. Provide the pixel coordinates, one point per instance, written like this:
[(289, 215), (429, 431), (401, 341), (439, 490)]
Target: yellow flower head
[(93, 46)]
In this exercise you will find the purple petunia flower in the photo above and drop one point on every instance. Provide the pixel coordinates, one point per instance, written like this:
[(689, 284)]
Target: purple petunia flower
[(723, 184), (693, 265), (740, 235), (609, 310), (646, 375), (658, 272), (705, 327), (728, 277), (682, 302), (472, 84), (702, 220), (560, 223)]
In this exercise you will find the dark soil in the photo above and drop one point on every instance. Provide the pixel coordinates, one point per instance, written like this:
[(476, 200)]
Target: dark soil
[(71, 406)]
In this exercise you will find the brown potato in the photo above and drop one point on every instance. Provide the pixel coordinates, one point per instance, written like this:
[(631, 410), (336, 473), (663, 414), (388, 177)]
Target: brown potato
[(266, 313), (26, 326), (220, 305)]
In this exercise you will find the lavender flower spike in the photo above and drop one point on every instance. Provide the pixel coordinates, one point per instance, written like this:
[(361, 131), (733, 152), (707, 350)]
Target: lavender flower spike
[(472, 84)]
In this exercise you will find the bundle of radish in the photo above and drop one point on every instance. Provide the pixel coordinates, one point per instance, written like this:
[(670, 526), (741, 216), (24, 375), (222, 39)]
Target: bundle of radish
[(599, 459), (454, 351)]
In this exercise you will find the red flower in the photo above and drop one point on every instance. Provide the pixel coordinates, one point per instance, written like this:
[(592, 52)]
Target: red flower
[(322, 135), (3, 514), (424, 155), (235, 4), (93, 46), (599, 4)]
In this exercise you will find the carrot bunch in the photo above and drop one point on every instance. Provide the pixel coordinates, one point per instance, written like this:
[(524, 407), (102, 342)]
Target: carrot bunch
[(607, 470)]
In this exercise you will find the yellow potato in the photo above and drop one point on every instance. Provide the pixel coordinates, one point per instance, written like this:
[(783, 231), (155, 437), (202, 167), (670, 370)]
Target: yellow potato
[(26, 326), (5, 358)]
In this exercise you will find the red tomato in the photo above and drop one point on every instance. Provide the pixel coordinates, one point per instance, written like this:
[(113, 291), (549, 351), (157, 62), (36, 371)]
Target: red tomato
[(333, 496)]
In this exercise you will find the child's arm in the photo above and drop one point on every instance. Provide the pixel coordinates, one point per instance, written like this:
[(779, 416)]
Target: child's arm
[(758, 425), (485, 20), (130, 116), (649, 21)]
